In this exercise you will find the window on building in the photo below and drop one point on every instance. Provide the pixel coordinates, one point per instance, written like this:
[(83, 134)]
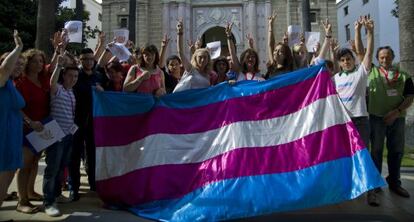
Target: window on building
[(100, 17), (313, 16), (347, 32), (346, 10), (123, 23), (365, 2)]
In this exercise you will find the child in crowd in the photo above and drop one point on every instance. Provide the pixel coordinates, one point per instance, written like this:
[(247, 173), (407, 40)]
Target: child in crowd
[(58, 155)]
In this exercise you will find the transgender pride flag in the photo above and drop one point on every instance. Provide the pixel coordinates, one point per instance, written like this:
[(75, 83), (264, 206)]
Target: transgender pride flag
[(230, 151)]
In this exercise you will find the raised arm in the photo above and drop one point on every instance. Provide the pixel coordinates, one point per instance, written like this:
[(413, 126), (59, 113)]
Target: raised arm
[(326, 43), (59, 42), (334, 46), (180, 31), (164, 44), (132, 82), (9, 62), (232, 49), (359, 47), (270, 37), (250, 41), (100, 46), (56, 73), (369, 25)]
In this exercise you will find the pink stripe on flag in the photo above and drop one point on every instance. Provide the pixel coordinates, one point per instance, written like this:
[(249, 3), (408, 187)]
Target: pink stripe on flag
[(122, 130), (176, 180)]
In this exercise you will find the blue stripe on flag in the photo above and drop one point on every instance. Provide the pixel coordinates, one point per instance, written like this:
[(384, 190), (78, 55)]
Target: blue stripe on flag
[(327, 183), (189, 98)]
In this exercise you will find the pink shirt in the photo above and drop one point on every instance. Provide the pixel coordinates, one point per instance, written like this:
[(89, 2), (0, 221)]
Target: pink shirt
[(152, 84)]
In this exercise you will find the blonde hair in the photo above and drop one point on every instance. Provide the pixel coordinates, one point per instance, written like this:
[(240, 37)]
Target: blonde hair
[(29, 54), (208, 67)]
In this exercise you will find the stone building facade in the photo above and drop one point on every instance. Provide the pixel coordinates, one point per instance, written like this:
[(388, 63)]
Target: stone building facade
[(206, 19)]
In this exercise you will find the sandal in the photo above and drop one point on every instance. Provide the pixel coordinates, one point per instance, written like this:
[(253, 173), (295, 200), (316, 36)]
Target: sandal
[(27, 209), (11, 196)]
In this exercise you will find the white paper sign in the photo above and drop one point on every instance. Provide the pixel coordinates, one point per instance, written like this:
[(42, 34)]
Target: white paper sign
[(294, 32), (50, 134), (120, 51), (121, 35), (215, 49), (312, 39), (74, 29)]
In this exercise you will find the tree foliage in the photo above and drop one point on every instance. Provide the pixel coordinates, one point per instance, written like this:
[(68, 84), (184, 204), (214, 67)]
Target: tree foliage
[(21, 15)]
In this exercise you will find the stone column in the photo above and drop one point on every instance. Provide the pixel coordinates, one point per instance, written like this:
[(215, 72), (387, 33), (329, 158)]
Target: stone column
[(251, 9), (166, 23)]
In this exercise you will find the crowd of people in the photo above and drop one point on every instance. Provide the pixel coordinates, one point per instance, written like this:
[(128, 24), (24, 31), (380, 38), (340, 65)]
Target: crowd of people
[(33, 89)]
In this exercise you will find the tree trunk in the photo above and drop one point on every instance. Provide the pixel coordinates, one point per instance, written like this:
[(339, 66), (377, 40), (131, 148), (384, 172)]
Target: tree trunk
[(79, 10), (406, 18), (45, 25)]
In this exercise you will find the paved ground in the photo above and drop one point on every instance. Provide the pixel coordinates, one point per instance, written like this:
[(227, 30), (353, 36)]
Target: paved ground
[(89, 208)]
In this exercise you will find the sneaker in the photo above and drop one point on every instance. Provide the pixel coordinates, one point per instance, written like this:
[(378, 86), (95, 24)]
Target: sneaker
[(399, 191), (373, 199), (52, 210), (63, 199)]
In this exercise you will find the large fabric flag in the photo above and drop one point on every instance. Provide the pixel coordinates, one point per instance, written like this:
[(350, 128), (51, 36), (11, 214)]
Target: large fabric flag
[(230, 151)]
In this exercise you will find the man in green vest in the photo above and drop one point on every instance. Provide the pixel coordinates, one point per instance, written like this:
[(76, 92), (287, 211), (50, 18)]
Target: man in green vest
[(391, 92)]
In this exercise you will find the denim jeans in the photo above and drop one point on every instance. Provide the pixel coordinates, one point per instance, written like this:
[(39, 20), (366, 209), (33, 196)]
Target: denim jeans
[(395, 146), (57, 158), (362, 125)]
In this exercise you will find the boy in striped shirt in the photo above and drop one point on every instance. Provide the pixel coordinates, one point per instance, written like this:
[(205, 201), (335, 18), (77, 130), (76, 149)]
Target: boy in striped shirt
[(62, 107)]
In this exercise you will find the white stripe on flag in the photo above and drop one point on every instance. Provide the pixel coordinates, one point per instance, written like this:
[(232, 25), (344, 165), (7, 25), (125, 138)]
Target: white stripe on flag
[(159, 149)]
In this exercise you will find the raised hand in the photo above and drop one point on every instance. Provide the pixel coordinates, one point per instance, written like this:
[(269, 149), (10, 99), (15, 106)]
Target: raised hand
[(57, 38), (302, 39), (180, 27), (250, 40), (327, 26), (358, 23), (190, 45), (228, 28), (101, 38), (17, 40), (369, 24), (286, 38), (198, 43), (351, 43), (334, 45), (61, 60), (317, 48), (130, 45), (165, 40), (271, 19)]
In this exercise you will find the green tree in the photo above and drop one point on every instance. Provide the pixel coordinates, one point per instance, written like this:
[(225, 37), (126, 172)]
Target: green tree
[(66, 14), (20, 15)]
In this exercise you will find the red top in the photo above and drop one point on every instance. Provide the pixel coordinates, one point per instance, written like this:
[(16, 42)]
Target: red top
[(152, 84), (37, 98)]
